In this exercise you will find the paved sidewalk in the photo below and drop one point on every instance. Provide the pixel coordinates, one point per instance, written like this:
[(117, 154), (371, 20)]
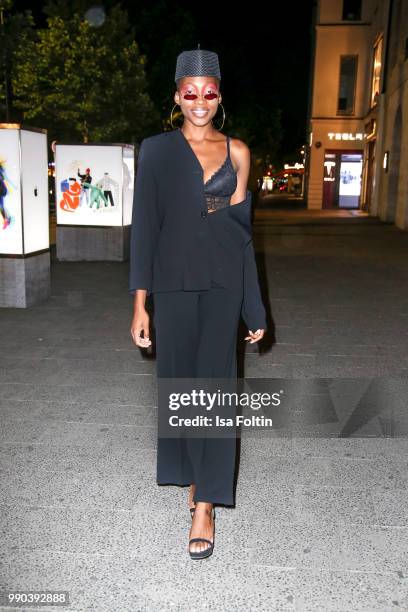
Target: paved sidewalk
[(321, 521)]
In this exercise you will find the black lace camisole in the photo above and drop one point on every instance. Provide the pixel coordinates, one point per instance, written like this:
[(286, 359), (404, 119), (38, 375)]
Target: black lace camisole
[(221, 185)]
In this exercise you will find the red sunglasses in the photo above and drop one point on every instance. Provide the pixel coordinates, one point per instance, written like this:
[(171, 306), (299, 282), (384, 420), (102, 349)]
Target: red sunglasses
[(207, 96)]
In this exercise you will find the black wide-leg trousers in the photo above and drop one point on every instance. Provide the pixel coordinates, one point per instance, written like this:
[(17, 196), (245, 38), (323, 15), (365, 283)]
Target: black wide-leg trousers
[(196, 337)]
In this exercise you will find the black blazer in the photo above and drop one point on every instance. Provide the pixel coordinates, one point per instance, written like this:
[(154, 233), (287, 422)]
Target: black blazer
[(175, 243)]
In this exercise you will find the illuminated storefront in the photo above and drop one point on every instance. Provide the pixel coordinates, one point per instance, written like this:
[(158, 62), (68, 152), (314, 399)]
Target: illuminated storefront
[(342, 171), (342, 179), (336, 168)]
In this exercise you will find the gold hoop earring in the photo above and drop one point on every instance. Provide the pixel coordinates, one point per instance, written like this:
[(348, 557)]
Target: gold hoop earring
[(171, 115), (223, 117)]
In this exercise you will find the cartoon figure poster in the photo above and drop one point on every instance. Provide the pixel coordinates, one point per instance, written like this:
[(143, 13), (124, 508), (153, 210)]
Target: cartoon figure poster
[(128, 183), (89, 184), (11, 235)]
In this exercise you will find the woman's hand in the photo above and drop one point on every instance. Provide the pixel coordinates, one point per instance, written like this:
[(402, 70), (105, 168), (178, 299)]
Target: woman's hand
[(255, 336), (140, 323)]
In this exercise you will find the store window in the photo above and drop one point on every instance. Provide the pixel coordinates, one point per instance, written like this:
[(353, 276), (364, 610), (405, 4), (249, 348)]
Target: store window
[(342, 173), (349, 190), (351, 10), (347, 84), (376, 74)]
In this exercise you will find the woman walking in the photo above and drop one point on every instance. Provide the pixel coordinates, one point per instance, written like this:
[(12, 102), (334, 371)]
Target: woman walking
[(191, 249)]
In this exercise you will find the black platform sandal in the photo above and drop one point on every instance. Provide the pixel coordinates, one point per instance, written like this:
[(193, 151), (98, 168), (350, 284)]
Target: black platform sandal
[(202, 554)]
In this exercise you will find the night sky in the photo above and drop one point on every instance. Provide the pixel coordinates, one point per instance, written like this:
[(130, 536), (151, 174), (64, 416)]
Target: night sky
[(264, 51)]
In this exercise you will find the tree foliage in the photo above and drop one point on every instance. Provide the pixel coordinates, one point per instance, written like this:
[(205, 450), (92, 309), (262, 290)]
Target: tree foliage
[(96, 83), (85, 82), (164, 30), (15, 30)]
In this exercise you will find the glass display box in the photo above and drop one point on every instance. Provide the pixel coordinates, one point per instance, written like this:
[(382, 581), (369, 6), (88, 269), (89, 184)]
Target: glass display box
[(24, 216), (94, 198)]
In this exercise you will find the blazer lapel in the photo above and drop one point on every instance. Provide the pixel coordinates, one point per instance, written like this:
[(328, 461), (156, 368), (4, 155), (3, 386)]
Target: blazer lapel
[(190, 165), (199, 168)]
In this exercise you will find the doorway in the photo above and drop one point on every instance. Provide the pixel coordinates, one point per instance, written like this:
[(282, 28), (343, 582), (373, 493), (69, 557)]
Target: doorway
[(342, 179)]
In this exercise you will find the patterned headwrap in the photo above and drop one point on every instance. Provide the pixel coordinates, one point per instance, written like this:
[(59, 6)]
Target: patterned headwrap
[(197, 62)]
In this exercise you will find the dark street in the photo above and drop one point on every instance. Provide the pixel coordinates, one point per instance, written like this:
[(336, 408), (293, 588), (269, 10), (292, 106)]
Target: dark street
[(319, 518), (204, 411)]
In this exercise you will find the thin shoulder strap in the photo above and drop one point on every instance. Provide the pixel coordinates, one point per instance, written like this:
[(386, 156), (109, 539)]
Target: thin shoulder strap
[(228, 146)]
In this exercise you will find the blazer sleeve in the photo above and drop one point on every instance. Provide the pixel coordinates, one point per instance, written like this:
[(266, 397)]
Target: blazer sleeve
[(145, 225), (253, 310)]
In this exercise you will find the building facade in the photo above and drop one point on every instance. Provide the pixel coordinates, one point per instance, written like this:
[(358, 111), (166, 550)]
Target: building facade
[(358, 108), (391, 202)]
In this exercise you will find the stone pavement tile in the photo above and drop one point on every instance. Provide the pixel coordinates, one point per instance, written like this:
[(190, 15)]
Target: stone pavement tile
[(356, 447), (96, 582), (285, 470), (129, 354), (366, 349), (87, 412), (11, 365), (374, 549), (272, 503), (333, 506), (267, 446), (388, 473), (265, 370), (139, 392), (351, 335), (327, 369), (292, 545), (300, 358), (377, 427), (343, 591), (282, 351), (109, 361), (230, 587), (100, 459), (307, 420), (295, 335), (63, 376), (79, 489), (142, 532), (359, 362), (49, 324), (73, 339), (91, 531), (136, 490), (391, 506), (102, 379), (315, 430), (65, 433), (163, 582), (324, 546)]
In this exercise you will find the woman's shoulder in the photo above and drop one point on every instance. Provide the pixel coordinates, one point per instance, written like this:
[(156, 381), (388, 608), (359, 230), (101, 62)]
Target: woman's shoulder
[(239, 145), (154, 139), (240, 152), (151, 147)]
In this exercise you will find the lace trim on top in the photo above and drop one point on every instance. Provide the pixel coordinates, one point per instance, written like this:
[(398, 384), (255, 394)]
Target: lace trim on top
[(221, 185)]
